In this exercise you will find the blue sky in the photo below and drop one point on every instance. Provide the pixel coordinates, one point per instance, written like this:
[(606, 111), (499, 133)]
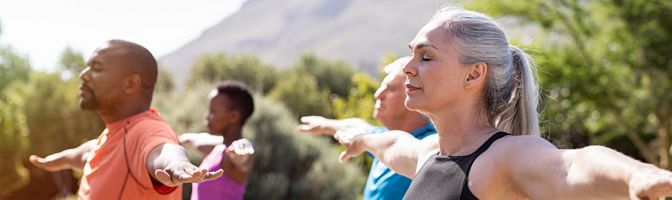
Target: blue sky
[(41, 29)]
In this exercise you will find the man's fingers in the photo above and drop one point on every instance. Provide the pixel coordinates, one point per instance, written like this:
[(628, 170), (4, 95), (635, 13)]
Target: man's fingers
[(163, 177), (213, 175), (344, 157), (194, 172), (49, 163), (38, 162), (181, 176)]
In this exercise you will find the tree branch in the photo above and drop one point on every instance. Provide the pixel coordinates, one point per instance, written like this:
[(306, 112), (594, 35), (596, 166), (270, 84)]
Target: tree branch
[(648, 154)]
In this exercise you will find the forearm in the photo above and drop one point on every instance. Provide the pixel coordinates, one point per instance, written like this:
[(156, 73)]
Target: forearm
[(203, 142), (397, 150)]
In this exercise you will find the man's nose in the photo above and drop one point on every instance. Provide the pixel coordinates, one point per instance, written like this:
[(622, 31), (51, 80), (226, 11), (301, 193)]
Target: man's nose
[(378, 94), (84, 75)]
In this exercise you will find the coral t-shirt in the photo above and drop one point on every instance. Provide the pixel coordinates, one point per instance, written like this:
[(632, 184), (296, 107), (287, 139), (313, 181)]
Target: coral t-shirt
[(117, 169)]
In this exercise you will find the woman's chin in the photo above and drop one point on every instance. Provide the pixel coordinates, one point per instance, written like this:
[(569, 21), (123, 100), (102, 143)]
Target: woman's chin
[(412, 104)]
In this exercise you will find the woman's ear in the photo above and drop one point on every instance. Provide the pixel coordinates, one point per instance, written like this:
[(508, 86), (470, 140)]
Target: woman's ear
[(476, 75)]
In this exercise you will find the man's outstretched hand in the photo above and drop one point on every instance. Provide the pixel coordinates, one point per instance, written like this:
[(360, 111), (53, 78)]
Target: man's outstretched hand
[(180, 172), (68, 159), (168, 164), (52, 163)]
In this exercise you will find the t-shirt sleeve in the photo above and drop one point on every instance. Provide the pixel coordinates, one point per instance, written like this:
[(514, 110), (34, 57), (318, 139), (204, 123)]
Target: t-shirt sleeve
[(147, 136)]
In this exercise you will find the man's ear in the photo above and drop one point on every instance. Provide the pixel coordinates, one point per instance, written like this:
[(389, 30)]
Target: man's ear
[(133, 84), (476, 75)]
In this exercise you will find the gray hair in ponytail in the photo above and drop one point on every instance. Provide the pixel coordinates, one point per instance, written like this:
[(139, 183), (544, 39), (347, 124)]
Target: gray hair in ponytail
[(511, 95)]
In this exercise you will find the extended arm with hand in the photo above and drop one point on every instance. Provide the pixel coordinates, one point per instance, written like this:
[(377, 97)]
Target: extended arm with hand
[(74, 158), (397, 149), (326, 126), (544, 172), (203, 142)]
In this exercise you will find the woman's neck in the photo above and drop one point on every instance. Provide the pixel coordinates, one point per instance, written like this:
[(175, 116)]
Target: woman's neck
[(233, 134), (461, 130)]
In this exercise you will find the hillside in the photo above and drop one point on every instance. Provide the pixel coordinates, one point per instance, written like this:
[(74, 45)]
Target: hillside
[(359, 32)]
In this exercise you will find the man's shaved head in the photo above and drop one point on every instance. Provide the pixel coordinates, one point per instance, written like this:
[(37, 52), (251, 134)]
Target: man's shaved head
[(137, 59)]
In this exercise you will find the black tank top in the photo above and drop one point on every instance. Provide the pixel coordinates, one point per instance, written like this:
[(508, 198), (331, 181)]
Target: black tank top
[(445, 177)]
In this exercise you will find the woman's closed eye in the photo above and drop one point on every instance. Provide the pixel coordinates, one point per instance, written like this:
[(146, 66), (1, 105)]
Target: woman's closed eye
[(425, 57)]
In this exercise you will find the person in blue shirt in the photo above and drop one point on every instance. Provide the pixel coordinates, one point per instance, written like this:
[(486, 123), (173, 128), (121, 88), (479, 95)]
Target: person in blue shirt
[(382, 183)]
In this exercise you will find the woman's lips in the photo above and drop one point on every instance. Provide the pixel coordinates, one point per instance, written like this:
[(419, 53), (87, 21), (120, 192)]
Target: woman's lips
[(411, 88)]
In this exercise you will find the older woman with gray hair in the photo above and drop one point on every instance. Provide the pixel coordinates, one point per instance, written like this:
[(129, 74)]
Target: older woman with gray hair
[(481, 93)]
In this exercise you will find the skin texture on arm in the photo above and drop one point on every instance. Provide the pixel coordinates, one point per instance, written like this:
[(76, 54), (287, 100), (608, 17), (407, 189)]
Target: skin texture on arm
[(397, 149), (320, 125), (593, 172), (168, 164), (74, 158), (203, 142)]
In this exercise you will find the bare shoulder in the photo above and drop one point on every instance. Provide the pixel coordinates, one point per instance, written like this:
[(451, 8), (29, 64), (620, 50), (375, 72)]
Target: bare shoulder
[(508, 161), (521, 143), (522, 152)]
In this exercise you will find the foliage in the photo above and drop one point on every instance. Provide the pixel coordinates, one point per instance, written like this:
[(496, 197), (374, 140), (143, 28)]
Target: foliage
[(72, 61), (360, 101), (184, 110), (48, 99), (12, 67), (290, 165), (246, 68), (331, 75), (13, 144), (301, 94), (606, 69), (164, 81)]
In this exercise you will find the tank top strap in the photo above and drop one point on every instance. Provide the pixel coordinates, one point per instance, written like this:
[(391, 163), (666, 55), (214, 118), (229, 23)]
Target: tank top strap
[(487, 143)]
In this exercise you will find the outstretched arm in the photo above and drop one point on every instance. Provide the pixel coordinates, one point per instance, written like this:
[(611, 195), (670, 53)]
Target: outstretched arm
[(397, 149), (203, 142), (587, 173), (74, 158), (168, 164), (325, 126)]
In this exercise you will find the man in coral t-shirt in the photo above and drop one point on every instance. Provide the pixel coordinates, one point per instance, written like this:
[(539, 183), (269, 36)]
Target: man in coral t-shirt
[(137, 156)]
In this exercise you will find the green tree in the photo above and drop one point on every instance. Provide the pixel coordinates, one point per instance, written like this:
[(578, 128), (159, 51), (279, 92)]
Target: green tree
[(55, 121), (72, 61), (290, 165), (331, 75), (360, 101), (606, 68), (301, 94), (164, 81), (13, 143), (12, 67), (246, 68)]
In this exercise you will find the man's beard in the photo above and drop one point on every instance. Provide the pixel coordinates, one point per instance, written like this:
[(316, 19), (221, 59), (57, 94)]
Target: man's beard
[(91, 103)]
